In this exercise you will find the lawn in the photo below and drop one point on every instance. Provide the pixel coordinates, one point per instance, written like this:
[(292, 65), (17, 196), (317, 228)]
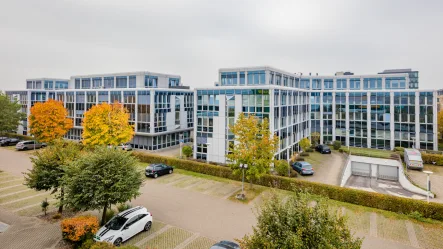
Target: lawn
[(369, 152)]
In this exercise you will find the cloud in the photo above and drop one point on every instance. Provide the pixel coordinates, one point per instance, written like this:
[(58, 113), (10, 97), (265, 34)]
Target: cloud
[(193, 38)]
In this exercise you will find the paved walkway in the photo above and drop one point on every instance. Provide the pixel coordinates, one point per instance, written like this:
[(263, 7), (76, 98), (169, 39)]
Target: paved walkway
[(28, 232), (328, 167)]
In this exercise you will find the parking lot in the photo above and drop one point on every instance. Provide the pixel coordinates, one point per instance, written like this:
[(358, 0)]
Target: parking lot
[(328, 167), (194, 211)]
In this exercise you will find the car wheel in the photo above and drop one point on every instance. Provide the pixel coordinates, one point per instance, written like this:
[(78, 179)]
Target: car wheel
[(148, 226), (155, 176), (170, 171), (118, 242)]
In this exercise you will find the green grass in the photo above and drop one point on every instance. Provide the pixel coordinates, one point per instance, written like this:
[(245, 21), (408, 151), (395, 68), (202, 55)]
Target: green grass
[(251, 194), (369, 152), (156, 225), (200, 243), (169, 239), (393, 229)]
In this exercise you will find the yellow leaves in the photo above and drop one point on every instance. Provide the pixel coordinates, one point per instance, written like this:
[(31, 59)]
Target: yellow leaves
[(105, 124), (440, 122), (48, 121)]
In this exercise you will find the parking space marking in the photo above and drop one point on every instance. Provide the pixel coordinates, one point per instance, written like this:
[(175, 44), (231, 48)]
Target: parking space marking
[(22, 199), (13, 186), (231, 193), (29, 206), (141, 242), (18, 192), (187, 241)]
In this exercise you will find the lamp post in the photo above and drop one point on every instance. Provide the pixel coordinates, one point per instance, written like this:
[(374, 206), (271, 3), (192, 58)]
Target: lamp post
[(428, 187), (348, 132), (242, 195)]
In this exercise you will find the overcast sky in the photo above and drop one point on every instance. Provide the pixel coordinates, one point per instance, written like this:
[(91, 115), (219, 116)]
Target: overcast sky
[(192, 38)]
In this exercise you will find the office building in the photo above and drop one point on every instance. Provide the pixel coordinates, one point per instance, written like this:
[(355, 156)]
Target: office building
[(160, 108)]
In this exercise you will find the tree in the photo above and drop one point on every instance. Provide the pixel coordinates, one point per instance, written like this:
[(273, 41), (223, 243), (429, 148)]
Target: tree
[(48, 121), (107, 124), (296, 223), (49, 167), (305, 144), (255, 146), (282, 167), (440, 123), (315, 137), (10, 115), (187, 151), (102, 178)]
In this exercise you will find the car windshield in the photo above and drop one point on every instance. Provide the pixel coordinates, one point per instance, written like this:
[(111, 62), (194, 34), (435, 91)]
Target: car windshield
[(325, 147), (307, 166), (116, 223)]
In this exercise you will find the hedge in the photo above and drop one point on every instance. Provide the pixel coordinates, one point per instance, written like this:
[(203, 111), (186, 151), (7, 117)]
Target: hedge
[(430, 158), (21, 137), (369, 199)]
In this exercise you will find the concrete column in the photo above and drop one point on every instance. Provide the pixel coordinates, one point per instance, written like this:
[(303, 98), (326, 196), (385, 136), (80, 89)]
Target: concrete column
[(347, 117), (152, 110), (321, 117), (368, 109), (417, 120), (392, 126), (434, 121), (136, 111), (195, 124), (333, 115)]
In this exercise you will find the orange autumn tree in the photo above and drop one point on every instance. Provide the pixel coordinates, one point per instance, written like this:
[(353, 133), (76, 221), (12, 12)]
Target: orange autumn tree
[(107, 124), (255, 146), (48, 121)]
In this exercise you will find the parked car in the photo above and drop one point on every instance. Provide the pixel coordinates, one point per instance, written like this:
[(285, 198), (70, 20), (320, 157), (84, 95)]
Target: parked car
[(3, 138), (324, 149), (125, 225), (126, 147), (9, 141), (29, 145), (413, 159), (303, 168), (224, 244), (156, 170)]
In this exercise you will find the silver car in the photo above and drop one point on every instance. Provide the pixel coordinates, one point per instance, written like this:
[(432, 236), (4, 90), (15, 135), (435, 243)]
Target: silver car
[(126, 147), (29, 145)]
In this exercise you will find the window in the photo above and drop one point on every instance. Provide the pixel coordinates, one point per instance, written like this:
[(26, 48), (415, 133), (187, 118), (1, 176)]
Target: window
[(341, 84), (395, 83), (96, 83), (151, 81), (354, 84), (77, 83), (132, 81), (61, 85), (109, 82), (242, 78), (305, 83), (228, 78), (86, 83), (173, 82), (256, 77), (372, 83), (121, 82), (49, 84), (316, 84), (328, 83)]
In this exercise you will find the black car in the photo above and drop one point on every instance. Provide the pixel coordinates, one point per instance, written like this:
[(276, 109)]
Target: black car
[(225, 245), (9, 141), (324, 149), (156, 170)]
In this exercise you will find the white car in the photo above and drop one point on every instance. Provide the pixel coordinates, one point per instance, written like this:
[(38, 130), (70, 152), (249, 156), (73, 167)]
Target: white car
[(125, 225)]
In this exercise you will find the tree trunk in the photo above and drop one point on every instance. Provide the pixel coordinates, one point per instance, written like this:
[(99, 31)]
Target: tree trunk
[(62, 195), (250, 183), (104, 215)]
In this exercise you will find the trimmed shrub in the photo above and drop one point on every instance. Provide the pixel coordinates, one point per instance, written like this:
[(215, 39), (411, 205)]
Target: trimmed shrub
[(79, 228), (431, 158), (359, 197), (21, 137), (310, 150), (341, 150), (281, 167), (294, 173), (336, 145), (304, 154), (87, 244), (187, 151), (399, 149), (123, 206), (300, 159), (106, 245), (56, 216)]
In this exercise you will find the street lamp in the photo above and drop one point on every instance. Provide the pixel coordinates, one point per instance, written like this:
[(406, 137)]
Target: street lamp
[(429, 173), (242, 195)]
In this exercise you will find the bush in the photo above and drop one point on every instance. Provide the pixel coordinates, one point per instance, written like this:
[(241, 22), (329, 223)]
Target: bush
[(109, 214), (187, 151), (299, 159), (341, 150), (281, 167), (336, 145), (123, 206), (80, 228), (310, 150), (294, 173), (399, 149), (359, 197), (56, 216), (431, 158), (304, 154), (21, 137), (105, 245), (87, 244)]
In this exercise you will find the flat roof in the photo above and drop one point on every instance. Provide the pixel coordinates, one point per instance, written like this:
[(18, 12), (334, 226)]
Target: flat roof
[(373, 160)]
